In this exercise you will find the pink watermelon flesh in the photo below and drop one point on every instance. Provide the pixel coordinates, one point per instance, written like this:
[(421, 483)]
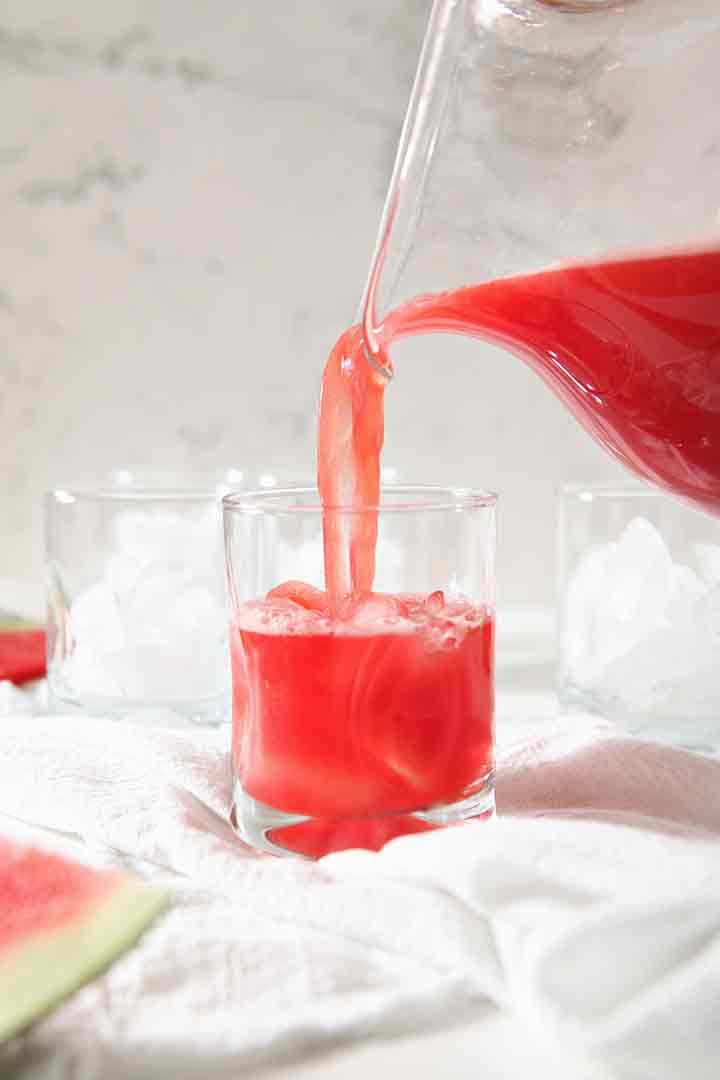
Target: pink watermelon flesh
[(60, 925)]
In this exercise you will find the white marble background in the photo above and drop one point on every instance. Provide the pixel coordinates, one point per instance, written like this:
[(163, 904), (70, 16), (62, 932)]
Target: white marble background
[(188, 199)]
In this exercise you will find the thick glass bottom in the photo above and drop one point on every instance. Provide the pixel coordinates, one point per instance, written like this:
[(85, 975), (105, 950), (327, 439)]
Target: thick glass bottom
[(279, 833)]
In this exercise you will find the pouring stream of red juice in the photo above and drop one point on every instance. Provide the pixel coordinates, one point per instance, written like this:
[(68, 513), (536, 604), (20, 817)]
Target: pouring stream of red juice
[(631, 346)]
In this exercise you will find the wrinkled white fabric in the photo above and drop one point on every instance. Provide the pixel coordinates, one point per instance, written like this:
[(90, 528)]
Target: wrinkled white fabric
[(590, 906)]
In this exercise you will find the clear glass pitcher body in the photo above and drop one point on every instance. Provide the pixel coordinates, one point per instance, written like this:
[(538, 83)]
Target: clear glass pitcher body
[(542, 132), (557, 192)]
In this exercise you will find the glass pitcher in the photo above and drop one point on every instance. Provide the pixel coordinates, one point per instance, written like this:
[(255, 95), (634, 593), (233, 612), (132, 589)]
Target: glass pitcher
[(557, 190)]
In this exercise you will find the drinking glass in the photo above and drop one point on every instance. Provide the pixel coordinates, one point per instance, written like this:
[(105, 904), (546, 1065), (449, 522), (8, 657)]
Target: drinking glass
[(639, 607), (137, 623), (351, 729)]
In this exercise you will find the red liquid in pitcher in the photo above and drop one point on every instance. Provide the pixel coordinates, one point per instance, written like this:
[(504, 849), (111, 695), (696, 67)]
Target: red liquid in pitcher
[(632, 347)]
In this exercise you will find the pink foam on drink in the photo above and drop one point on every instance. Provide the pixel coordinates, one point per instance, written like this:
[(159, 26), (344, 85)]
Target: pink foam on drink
[(278, 615), (294, 608)]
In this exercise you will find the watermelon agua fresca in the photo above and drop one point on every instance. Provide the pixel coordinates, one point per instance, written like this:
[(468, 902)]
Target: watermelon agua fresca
[(61, 924)]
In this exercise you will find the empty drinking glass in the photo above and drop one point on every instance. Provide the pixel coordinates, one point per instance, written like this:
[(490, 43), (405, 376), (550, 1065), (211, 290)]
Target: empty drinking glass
[(137, 621), (639, 599)]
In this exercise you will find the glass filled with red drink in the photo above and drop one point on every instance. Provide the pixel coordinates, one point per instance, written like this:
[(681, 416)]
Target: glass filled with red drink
[(362, 716)]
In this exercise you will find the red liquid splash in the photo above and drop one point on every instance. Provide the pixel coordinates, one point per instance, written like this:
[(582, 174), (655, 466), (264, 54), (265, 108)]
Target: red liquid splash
[(632, 347)]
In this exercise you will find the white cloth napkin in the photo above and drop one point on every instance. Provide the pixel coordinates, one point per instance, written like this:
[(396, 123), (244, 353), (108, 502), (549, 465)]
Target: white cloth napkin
[(591, 906)]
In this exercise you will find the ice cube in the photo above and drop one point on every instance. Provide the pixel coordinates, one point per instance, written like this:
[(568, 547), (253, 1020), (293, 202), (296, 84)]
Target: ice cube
[(299, 592), (280, 615), (378, 611), (435, 601), (618, 594), (707, 614), (148, 610), (95, 619), (442, 634), (457, 607), (190, 664), (582, 595), (198, 612), (185, 670), (122, 572), (708, 556), (86, 675), (155, 627), (639, 629), (97, 630), (686, 591), (638, 578), (637, 680), (674, 668)]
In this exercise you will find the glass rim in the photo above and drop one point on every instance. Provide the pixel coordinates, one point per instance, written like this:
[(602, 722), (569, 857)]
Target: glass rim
[(418, 498), (148, 484), (68, 496)]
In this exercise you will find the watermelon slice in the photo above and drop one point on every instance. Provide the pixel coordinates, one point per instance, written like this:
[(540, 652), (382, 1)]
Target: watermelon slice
[(60, 925), (22, 650)]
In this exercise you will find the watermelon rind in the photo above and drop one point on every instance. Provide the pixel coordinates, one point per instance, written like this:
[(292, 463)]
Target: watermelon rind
[(13, 623), (43, 968)]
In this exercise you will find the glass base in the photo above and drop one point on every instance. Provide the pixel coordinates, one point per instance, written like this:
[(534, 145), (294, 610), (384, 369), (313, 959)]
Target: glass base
[(180, 714), (279, 833), (671, 723)]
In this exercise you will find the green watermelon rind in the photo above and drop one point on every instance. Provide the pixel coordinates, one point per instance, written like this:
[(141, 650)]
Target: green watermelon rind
[(40, 970)]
